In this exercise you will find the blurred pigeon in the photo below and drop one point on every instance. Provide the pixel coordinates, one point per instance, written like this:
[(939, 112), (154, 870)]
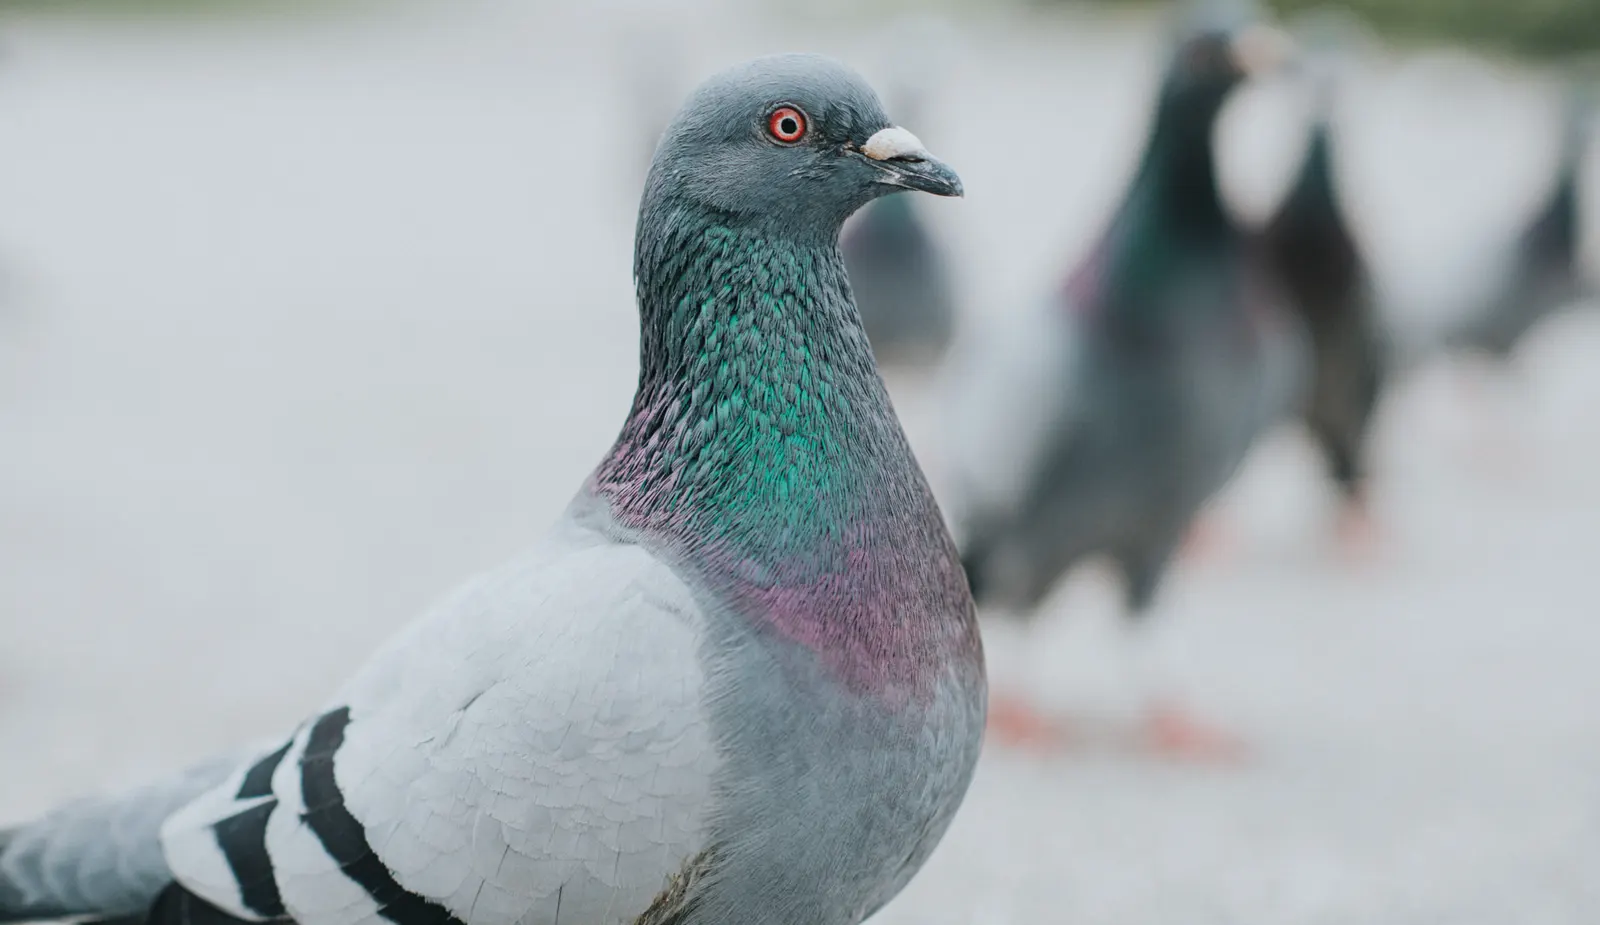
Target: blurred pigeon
[(1544, 272), (1103, 428), (901, 282), (1329, 284), (898, 269), (740, 681)]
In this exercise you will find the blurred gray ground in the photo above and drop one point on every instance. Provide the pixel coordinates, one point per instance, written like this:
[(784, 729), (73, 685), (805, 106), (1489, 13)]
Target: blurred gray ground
[(305, 322)]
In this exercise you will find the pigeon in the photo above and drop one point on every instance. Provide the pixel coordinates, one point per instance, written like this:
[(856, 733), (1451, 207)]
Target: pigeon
[(1329, 284), (898, 268), (741, 679), (1544, 271), (1103, 424)]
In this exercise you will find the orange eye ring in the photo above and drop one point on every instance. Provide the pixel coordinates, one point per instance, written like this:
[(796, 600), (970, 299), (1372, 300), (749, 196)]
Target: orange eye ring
[(787, 124)]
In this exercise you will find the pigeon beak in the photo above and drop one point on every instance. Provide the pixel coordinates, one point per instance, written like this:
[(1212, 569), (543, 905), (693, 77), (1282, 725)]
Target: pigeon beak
[(1261, 49), (904, 162)]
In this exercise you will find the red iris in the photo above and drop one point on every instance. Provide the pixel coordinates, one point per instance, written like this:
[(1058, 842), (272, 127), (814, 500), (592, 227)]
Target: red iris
[(787, 124)]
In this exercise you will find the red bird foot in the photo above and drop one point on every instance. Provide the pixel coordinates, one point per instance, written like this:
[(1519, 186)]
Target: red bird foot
[(1208, 540), (1357, 534), (1173, 733), (1014, 722)]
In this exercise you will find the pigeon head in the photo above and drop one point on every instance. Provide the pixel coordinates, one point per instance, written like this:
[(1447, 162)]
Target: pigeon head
[(797, 142), (1178, 171), (1211, 61)]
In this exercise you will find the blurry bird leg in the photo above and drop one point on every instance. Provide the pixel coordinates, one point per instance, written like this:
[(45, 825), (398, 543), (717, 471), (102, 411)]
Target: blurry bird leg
[(1171, 731), (1207, 539), (1165, 728), (1356, 531), (1016, 722)]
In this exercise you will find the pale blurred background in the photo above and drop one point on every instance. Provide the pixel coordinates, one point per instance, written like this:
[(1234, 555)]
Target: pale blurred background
[(310, 310)]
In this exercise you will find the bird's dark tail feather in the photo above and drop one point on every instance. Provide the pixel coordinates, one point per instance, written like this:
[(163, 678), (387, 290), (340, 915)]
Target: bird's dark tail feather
[(72, 864), (178, 906), (6, 913), (14, 904)]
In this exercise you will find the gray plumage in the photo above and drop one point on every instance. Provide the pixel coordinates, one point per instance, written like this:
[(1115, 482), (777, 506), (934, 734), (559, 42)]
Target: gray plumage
[(740, 680), (1330, 286), (100, 855), (1135, 396)]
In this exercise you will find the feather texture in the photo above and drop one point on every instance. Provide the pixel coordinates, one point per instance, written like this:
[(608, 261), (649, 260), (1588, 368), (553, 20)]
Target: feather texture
[(740, 681), (537, 741), (97, 856)]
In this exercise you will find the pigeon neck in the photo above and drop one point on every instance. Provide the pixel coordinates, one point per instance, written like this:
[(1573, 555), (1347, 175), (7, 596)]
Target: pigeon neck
[(1554, 234), (1172, 212), (1577, 116), (1564, 196), (758, 396), (1178, 175), (762, 449), (1314, 188)]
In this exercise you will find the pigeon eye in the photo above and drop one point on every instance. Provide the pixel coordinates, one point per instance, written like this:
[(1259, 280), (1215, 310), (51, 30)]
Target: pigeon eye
[(787, 124)]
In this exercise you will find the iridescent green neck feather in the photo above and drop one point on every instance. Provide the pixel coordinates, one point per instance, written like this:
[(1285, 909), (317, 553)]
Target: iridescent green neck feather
[(760, 422), (762, 448)]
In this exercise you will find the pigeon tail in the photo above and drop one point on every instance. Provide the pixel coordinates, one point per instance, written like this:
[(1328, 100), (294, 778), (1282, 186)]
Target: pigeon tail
[(20, 886), (50, 872), (9, 897), (97, 858)]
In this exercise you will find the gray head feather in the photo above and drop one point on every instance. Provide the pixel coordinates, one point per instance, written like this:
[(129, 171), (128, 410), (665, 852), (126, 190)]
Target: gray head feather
[(719, 153)]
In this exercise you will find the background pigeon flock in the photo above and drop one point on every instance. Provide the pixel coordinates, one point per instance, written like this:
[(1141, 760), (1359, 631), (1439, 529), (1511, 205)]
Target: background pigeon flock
[(1254, 378)]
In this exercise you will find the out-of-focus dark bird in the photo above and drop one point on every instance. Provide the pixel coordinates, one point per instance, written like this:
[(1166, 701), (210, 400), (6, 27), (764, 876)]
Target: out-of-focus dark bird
[(1105, 426), (1322, 268), (898, 267), (902, 283), (1544, 272)]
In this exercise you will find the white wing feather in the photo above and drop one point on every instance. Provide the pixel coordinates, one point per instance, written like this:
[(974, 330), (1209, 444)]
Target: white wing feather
[(538, 740)]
